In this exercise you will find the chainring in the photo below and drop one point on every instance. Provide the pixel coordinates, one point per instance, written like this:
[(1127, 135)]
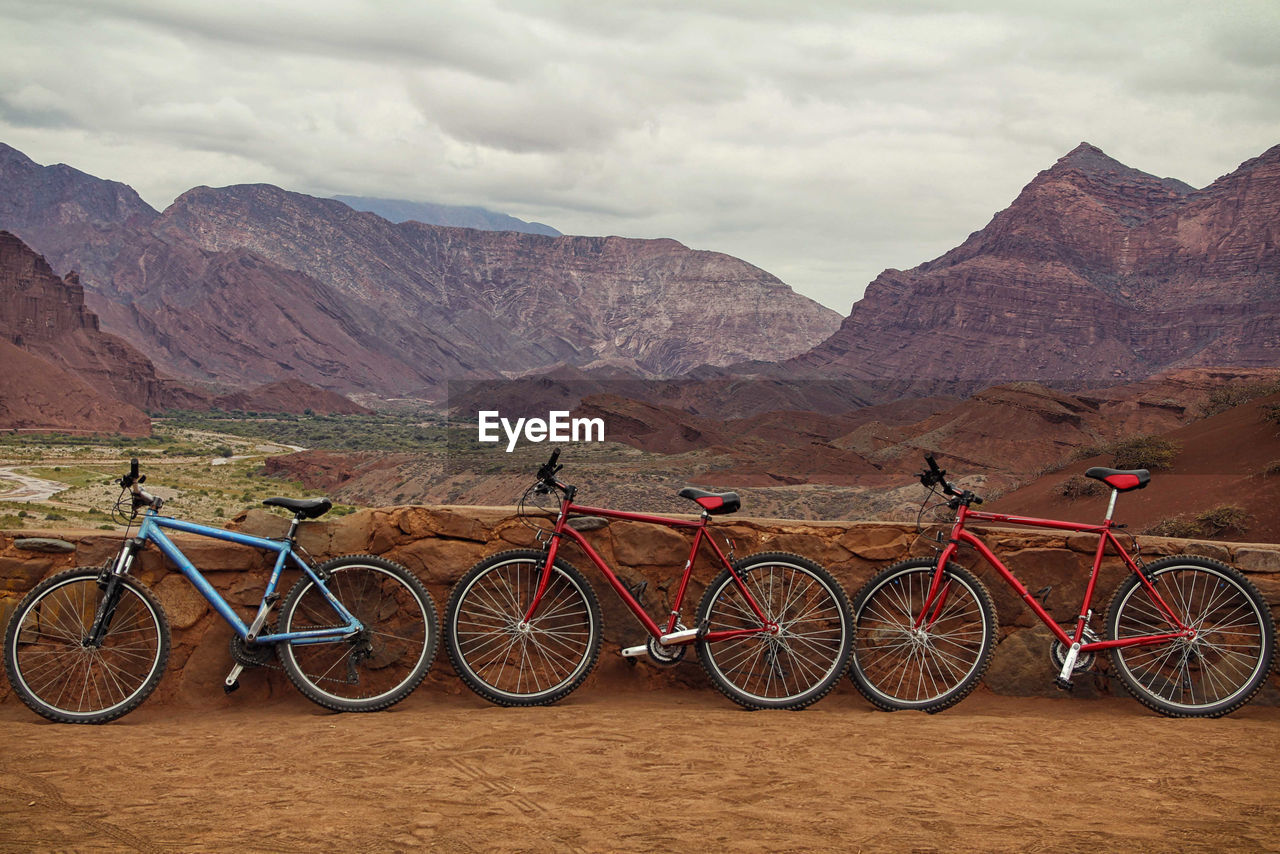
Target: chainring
[(1084, 661), (666, 656), (251, 654)]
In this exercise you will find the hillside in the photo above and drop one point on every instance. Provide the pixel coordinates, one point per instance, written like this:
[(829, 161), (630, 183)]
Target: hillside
[(1229, 460)]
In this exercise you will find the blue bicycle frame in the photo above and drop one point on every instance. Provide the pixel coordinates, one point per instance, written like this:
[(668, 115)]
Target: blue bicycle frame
[(152, 531)]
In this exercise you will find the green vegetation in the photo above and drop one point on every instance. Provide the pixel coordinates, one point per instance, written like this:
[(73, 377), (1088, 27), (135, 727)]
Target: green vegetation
[(207, 466), (374, 432)]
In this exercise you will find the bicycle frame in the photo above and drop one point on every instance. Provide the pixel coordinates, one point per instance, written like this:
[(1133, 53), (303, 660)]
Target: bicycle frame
[(153, 530), (670, 635), (936, 598)]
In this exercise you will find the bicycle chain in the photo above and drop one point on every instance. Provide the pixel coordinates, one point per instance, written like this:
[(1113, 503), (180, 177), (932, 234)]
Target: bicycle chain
[(268, 666)]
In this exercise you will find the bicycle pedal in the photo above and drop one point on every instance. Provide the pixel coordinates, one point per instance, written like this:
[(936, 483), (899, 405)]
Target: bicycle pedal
[(1064, 684), (230, 687)]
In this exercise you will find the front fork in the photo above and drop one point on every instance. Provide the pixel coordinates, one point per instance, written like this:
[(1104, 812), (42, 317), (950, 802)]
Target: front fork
[(109, 582)]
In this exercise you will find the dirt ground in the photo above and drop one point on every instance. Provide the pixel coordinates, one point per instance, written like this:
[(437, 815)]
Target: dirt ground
[(613, 769)]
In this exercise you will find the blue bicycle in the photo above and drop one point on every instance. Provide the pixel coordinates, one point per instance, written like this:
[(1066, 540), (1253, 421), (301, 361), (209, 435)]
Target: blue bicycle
[(355, 634)]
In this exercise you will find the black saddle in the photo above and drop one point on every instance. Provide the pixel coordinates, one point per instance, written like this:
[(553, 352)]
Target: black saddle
[(1121, 480), (305, 508), (714, 503)]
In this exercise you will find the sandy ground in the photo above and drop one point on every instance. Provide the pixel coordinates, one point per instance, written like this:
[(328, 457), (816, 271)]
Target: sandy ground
[(676, 770)]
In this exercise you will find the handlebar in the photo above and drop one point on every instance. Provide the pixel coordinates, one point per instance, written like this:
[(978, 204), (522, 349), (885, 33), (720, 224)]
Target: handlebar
[(547, 483), (133, 481), (547, 473), (936, 476)]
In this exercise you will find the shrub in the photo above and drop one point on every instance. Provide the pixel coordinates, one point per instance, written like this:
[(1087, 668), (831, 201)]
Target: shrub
[(1143, 452), (1223, 519), (1235, 394), (1179, 527), (1271, 413), (1271, 468), (1079, 486)]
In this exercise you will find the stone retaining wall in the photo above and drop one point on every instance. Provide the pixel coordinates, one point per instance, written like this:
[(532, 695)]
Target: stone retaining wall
[(441, 543)]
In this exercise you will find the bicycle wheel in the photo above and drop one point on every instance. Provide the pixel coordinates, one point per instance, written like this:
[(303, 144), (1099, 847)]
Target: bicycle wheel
[(382, 664), (506, 660), (787, 669), (897, 665), (55, 669), (1208, 675)]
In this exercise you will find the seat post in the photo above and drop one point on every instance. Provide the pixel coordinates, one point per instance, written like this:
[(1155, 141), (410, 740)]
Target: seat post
[(1111, 505)]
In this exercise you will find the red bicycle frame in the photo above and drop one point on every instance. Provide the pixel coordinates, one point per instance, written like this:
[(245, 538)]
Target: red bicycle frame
[(960, 537), (670, 636)]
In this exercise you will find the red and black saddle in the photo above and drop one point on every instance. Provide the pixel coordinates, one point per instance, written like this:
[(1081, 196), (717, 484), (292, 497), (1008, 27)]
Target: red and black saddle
[(714, 503), (1121, 480)]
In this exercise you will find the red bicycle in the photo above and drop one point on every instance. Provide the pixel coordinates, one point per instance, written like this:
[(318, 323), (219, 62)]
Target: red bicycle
[(523, 627), (1188, 636)]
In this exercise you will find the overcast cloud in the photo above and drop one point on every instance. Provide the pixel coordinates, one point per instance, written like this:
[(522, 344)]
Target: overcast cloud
[(823, 141)]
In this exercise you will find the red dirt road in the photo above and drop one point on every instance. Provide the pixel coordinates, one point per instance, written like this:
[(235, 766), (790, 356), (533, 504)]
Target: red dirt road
[(673, 770)]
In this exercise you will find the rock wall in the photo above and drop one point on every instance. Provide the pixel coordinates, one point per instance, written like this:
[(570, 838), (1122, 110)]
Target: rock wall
[(439, 544)]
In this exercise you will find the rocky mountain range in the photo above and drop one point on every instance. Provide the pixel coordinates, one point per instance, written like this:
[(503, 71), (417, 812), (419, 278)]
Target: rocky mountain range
[(243, 284), (456, 216), (1097, 273)]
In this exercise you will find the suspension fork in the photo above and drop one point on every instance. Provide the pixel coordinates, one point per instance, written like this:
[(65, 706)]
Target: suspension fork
[(109, 582)]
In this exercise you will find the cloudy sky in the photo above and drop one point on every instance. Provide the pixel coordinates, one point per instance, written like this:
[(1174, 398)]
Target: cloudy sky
[(821, 140)]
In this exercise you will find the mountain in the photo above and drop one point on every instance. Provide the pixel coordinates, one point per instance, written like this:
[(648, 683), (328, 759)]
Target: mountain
[(1097, 273), (58, 370), (241, 285), (456, 216)]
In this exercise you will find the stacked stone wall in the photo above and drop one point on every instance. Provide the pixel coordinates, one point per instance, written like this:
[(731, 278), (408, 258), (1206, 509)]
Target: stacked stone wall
[(439, 544)]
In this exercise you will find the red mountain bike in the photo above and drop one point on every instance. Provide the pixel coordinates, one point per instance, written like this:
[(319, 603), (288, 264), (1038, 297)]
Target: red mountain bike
[(1188, 636), (523, 627)]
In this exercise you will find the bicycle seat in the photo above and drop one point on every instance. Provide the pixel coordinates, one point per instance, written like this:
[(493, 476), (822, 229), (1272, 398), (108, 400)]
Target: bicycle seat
[(714, 503), (1121, 480), (307, 508)]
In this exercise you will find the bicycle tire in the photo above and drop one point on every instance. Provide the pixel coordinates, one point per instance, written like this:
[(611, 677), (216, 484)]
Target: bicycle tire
[(1216, 672), (58, 676), (899, 667), (515, 664), (799, 664), (382, 665)]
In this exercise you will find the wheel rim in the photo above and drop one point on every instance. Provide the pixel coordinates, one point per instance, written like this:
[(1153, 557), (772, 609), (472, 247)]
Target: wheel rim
[(1213, 667), (375, 664), (518, 659), (918, 666), (63, 673), (803, 653)]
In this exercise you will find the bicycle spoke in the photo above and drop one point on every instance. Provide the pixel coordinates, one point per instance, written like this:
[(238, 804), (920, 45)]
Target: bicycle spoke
[(899, 665)]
